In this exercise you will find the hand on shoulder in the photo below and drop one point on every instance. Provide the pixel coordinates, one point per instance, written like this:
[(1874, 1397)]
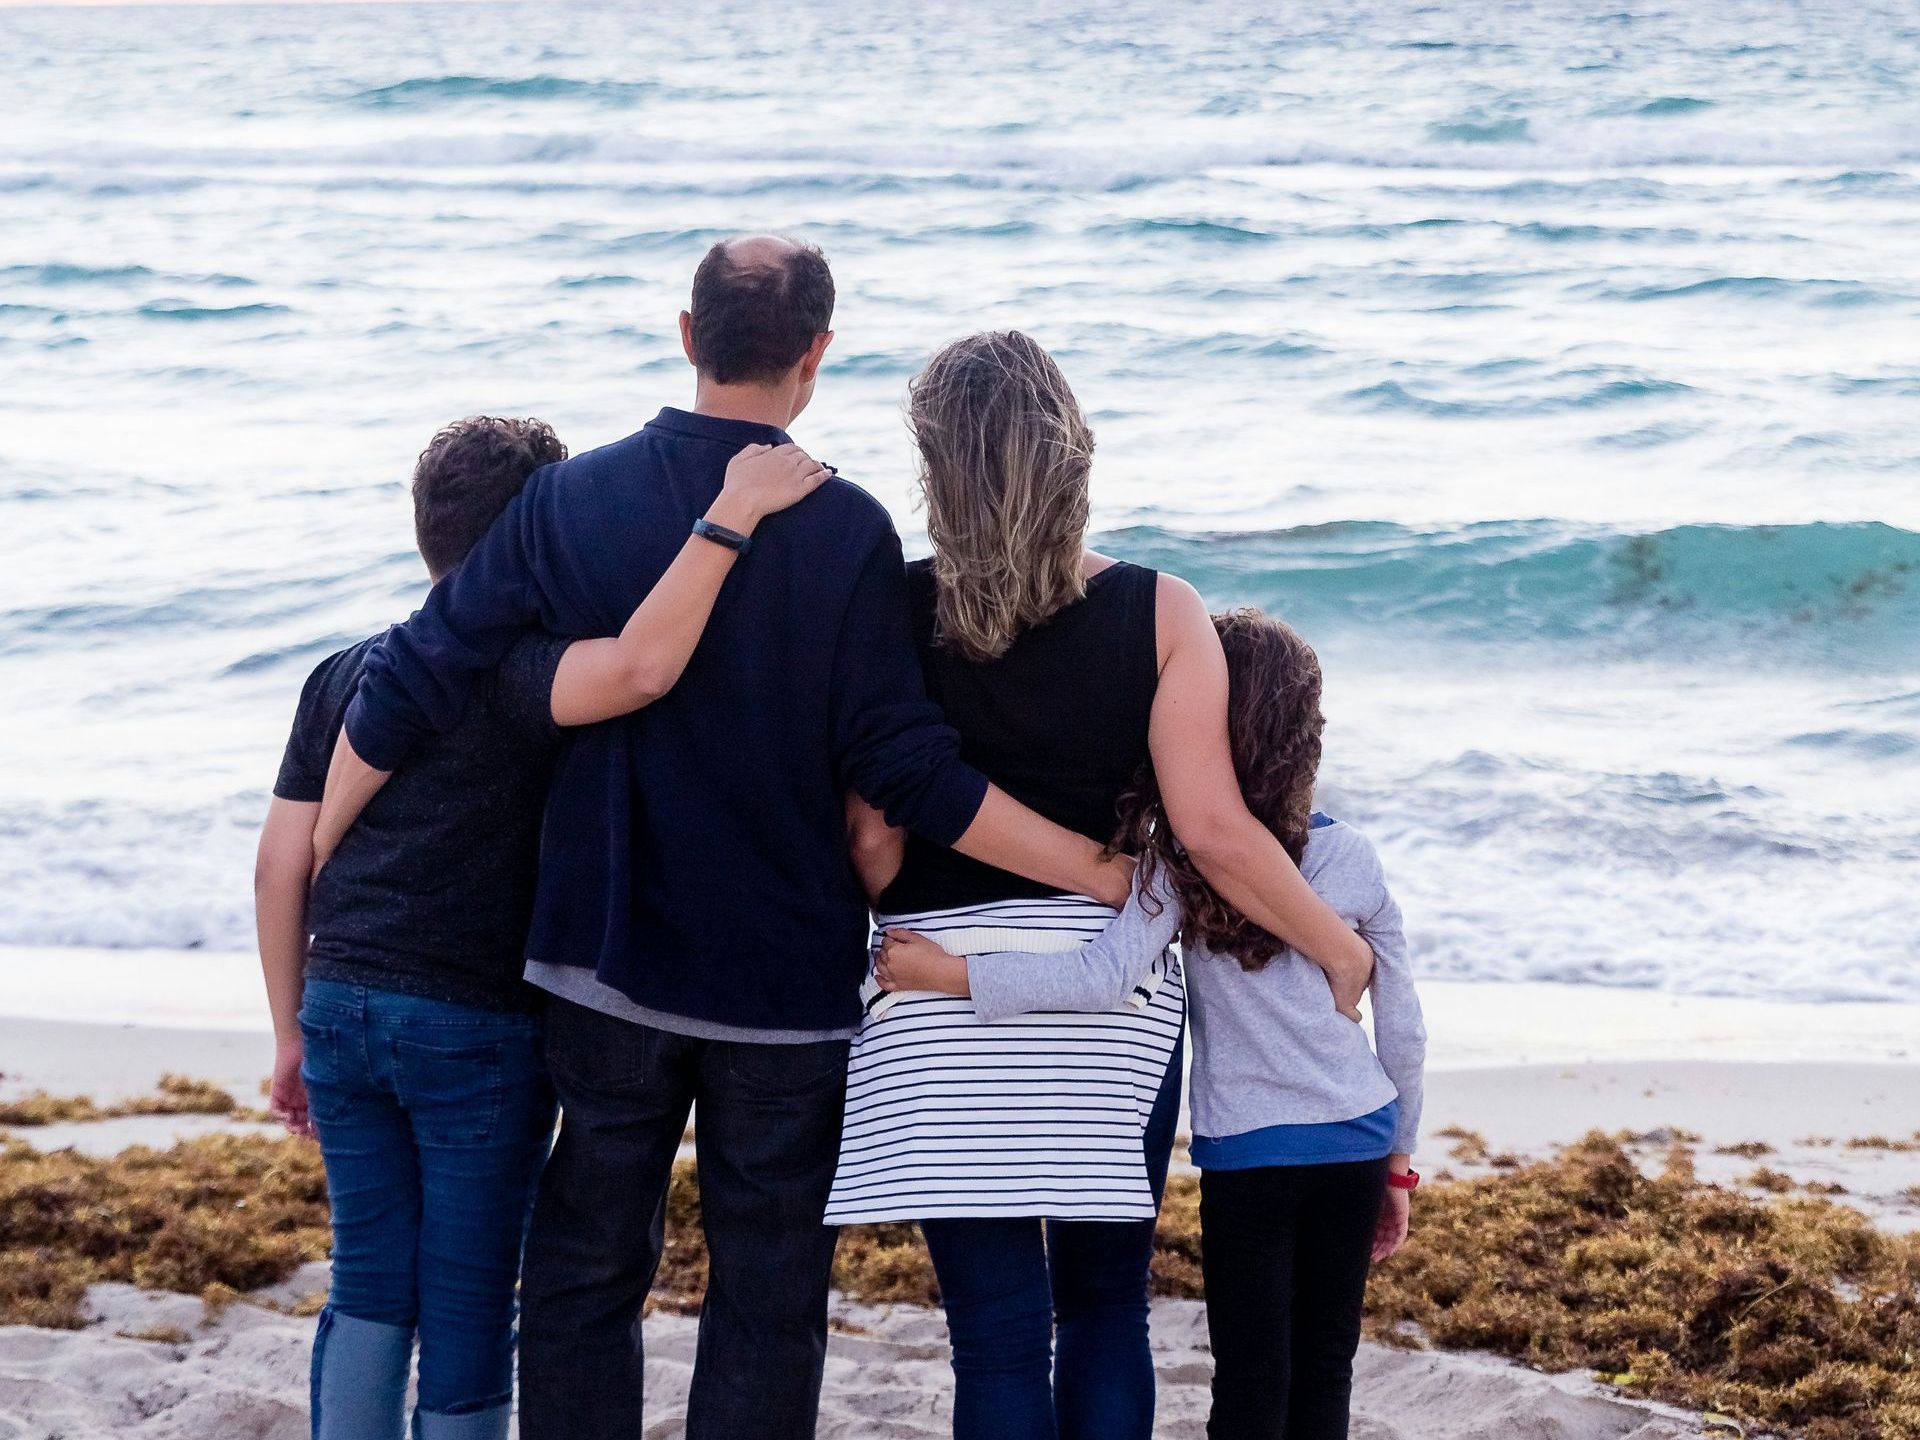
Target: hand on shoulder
[(764, 479)]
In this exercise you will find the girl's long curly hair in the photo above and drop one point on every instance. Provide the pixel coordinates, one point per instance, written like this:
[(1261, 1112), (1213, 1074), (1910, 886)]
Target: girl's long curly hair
[(1273, 726)]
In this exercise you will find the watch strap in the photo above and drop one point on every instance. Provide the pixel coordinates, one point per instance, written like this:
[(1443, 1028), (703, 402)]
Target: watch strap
[(719, 534)]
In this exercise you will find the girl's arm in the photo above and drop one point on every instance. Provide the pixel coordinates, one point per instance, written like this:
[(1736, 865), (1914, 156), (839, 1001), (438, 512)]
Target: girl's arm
[(876, 848), (1237, 855), (280, 878), (1098, 975), (1400, 1040), (1399, 1028), (600, 679)]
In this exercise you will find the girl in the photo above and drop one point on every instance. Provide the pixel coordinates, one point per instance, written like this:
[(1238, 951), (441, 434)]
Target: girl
[(1303, 1135), (1033, 1152)]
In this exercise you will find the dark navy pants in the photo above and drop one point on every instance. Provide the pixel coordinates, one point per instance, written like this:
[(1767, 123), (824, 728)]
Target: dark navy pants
[(1049, 1318), (767, 1135)]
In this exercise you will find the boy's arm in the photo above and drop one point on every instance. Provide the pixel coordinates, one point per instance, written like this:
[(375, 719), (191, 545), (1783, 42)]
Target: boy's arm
[(600, 679), (892, 746), (280, 878), (351, 786), (1098, 975), (876, 848)]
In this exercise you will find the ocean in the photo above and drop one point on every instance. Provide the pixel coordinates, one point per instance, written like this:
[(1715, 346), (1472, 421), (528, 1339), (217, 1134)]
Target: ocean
[(1552, 366)]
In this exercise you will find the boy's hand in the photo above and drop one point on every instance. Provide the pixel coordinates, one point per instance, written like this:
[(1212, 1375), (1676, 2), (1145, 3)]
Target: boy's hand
[(912, 962), (1390, 1230), (287, 1094), (762, 479)]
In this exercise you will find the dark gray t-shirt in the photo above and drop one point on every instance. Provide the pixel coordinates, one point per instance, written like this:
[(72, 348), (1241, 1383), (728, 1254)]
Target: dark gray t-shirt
[(432, 890)]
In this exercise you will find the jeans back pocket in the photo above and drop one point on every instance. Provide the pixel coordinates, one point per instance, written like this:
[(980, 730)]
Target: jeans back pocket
[(452, 1090), (331, 1088)]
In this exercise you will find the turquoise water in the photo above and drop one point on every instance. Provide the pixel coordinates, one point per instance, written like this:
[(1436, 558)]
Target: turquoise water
[(1552, 366)]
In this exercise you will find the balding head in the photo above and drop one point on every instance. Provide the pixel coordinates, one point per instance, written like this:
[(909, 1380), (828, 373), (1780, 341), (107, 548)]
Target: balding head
[(758, 252), (759, 303)]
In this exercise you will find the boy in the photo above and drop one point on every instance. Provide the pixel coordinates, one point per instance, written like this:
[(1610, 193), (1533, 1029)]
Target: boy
[(405, 1036)]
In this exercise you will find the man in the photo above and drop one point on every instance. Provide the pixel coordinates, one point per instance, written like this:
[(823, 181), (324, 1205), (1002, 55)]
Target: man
[(698, 923)]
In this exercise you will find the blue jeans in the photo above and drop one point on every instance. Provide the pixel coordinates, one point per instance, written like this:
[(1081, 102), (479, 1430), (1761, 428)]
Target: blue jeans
[(1012, 1285), (434, 1121)]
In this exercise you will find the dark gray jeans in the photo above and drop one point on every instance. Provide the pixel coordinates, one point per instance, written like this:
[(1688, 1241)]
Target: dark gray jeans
[(767, 1141)]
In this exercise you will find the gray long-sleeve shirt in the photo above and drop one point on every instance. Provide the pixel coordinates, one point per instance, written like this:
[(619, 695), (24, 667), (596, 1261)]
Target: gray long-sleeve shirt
[(1269, 1048)]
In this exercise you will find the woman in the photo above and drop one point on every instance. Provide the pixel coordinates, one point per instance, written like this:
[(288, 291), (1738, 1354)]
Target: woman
[(1033, 1150)]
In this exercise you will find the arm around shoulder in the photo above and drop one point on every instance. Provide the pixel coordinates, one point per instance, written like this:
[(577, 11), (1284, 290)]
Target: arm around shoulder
[(601, 679), (1238, 856)]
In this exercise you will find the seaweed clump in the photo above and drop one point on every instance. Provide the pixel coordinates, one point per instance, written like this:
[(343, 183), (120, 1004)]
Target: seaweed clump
[(175, 1095), (1793, 1314), (218, 1213)]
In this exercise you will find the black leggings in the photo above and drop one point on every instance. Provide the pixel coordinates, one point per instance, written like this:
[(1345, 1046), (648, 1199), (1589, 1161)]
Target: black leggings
[(1285, 1252)]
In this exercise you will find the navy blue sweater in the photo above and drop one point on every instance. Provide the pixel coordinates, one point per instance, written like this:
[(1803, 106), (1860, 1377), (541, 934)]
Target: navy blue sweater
[(694, 852)]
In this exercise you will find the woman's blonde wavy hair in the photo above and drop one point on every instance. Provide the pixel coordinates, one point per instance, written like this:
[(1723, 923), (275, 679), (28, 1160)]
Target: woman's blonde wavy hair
[(1005, 455)]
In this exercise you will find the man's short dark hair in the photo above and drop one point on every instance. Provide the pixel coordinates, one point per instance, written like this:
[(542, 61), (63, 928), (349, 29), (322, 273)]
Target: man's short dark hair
[(465, 478), (755, 322)]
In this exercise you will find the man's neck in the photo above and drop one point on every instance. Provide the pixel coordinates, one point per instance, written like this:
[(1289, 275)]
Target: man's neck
[(756, 403)]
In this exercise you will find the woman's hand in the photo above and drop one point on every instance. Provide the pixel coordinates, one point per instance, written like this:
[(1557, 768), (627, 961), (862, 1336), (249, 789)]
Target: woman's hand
[(912, 962), (763, 479), (1390, 1230), (287, 1094)]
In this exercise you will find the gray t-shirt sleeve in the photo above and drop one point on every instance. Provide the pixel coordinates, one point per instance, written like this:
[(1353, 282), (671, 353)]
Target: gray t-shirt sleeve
[(1099, 975), (1352, 881)]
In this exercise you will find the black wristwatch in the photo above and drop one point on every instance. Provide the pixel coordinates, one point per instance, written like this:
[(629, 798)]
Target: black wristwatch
[(719, 534)]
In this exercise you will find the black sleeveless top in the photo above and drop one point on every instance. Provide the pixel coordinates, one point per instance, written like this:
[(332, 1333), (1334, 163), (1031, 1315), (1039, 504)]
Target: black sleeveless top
[(1059, 722)]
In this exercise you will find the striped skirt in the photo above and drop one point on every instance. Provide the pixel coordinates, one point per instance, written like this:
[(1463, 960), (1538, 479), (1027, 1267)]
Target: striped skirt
[(1041, 1114)]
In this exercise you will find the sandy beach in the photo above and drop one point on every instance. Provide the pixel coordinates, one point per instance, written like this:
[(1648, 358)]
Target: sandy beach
[(244, 1375), (1748, 1088)]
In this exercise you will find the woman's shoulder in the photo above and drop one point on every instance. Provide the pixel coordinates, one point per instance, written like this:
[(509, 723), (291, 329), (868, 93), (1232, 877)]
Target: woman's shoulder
[(1124, 574)]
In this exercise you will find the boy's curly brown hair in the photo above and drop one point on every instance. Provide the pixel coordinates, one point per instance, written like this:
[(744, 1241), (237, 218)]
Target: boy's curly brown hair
[(1273, 725), (466, 476)]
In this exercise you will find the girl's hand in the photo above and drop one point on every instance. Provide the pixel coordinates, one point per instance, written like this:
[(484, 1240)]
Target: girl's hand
[(762, 479), (287, 1094), (912, 962), (1390, 1230), (1347, 993)]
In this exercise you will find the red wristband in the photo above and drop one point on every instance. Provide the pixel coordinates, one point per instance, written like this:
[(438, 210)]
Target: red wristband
[(1409, 1181)]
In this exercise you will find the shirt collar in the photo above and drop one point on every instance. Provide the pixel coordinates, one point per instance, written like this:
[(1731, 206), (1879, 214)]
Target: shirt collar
[(715, 427)]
